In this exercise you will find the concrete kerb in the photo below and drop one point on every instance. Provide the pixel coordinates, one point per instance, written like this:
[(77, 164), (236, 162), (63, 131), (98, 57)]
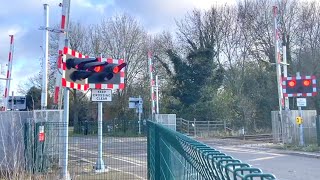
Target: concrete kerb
[(267, 147), (303, 154)]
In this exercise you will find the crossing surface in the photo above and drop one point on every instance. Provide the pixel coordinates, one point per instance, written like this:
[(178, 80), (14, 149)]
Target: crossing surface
[(126, 157), (283, 165)]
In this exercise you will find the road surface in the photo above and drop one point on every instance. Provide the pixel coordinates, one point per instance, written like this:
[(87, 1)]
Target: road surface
[(124, 155), (283, 165)]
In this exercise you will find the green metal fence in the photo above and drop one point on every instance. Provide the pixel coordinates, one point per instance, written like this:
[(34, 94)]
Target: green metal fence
[(41, 156), (172, 155)]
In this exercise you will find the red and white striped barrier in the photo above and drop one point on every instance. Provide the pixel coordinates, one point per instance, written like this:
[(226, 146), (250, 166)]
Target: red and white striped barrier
[(152, 84), (7, 89), (62, 36)]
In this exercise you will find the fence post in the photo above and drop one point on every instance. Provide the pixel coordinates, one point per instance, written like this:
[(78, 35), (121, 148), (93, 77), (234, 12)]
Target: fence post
[(157, 153), (188, 128), (194, 123), (148, 149)]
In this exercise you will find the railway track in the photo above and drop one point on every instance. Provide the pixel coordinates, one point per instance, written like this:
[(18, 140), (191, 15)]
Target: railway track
[(256, 137)]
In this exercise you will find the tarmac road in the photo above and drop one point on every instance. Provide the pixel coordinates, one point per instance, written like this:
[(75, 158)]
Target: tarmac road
[(127, 155), (285, 165)]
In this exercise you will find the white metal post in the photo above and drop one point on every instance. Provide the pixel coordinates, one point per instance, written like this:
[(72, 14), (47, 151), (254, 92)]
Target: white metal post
[(100, 167), (286, 99), (300, 114), (301, 127), (139, 122), (157, 94), (63, 41), (278, 60), (285, 73), (45, 59), (139, 113), (64, 174), (12, 101), (151, 85), (278, 64)]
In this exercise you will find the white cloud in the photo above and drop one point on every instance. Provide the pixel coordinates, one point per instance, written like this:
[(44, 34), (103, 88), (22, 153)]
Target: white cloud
[(24, 17)]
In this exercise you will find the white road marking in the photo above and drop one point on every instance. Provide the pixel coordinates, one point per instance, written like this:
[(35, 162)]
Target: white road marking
[(127, 173), (125, 159), (115, 169), (262, 158), (239, 150)]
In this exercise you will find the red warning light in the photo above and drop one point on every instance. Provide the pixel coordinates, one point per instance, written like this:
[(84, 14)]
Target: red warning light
[(307, 82), (116, 69), (98, 69), (292, 83)]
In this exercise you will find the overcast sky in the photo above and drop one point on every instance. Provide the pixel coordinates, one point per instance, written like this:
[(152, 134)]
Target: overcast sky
[(22, 18)]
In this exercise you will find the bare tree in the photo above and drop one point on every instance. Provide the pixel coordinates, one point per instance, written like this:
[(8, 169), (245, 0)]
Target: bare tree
[(122, 37)]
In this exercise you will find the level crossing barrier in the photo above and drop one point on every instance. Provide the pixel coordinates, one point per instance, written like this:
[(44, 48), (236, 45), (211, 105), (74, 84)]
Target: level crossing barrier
[(172, 155)]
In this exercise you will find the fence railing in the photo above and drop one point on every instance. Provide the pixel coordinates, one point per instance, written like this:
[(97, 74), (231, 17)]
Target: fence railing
[(200, 128), (172, 155)]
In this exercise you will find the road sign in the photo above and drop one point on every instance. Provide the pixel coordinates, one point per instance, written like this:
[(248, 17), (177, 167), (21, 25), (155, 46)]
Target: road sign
[(301, 102), (19, 102), (136, 103), (299, 120), (133, 102), (101, 95), (41, 134)]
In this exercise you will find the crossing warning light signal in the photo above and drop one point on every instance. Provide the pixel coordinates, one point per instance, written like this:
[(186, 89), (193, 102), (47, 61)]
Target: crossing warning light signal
[(108, 74), (94, 71), (307, 82), (299, 86), (292, 83)]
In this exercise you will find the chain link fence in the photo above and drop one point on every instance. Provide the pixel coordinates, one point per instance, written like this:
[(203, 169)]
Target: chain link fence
[(201, 128)]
